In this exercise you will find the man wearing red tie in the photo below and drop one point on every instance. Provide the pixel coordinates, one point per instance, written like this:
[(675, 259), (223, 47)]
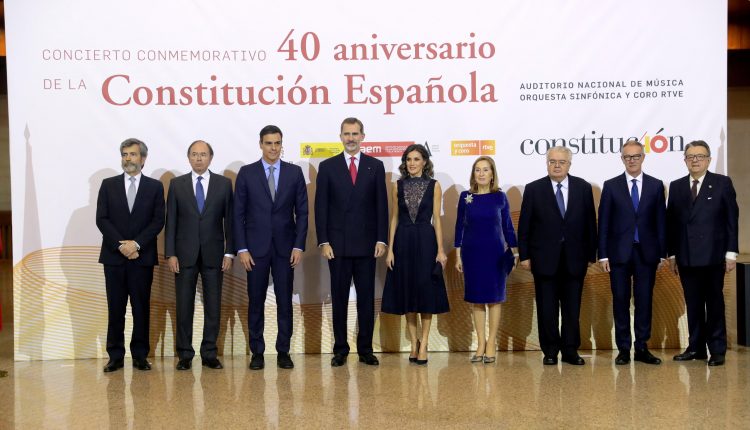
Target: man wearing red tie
[(702, 218), (351, 220)]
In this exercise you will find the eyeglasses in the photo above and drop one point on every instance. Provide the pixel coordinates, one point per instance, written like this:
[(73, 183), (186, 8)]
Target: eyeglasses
[(697, 157), (636, 157), (561, 163)]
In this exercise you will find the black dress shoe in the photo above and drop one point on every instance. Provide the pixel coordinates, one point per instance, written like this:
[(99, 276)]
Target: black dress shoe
[(690, 355), (257, 362), (716, 360), (575, 360), (211, 363), (371, 360), (623, 358), (184, 364), (113, 365), (284, 361), (549, 360), (141, 364), (645, 356), (338, 360)]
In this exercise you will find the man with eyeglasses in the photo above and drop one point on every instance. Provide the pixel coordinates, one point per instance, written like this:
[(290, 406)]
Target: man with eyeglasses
[(198, 241), (557, 241), (632, 243), (702, 218)]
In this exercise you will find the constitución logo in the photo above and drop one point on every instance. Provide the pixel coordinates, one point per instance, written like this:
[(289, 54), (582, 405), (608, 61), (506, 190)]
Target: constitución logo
[(601, 143)]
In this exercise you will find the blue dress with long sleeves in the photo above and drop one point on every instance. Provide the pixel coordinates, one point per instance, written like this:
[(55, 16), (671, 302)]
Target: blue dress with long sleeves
[(485, 234)]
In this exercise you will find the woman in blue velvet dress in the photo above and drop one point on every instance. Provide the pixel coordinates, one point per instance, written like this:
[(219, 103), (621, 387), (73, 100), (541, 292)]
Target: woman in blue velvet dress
[(414, 283), (484, 241)]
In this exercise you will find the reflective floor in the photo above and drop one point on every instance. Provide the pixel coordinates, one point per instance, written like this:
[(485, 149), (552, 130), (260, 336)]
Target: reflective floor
[(516, 392)]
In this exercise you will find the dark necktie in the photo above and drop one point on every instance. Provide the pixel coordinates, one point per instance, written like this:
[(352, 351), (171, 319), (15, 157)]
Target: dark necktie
[(200, 195), (636, 198), (353, 170), (694, 189), (560, 200)]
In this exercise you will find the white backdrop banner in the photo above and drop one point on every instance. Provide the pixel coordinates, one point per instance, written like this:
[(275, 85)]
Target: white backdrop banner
[(507, 79)]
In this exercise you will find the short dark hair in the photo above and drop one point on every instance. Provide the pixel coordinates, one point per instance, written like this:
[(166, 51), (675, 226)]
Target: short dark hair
[(210, 149), (270, 129), (352, 120), (427, 172), (701, 143), (127, 143)]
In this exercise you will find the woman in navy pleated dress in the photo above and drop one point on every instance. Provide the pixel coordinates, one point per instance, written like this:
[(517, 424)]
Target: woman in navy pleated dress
[(414, 282), (484, 241)]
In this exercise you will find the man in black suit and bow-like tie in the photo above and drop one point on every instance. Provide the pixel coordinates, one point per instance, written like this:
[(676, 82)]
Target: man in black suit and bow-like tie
[(130, 214), (199, 241), (702, 218), (632, 243), (557, 241), (351, 221), (270, 228)]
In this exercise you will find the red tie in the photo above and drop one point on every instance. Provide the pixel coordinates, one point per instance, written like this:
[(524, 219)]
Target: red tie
[(353, 170)]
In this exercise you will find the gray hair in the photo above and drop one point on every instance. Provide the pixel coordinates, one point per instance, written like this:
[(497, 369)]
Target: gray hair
[(127, 143), (564, 149)]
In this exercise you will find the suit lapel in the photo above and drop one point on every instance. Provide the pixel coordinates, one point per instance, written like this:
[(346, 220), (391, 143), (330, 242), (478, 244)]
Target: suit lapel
[(121, 194), (209, 197), (186, 187), (704, 194), (260, 177)]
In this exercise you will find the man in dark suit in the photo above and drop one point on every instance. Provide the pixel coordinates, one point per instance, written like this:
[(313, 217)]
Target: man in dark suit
[(130, 214), (351, 221), (632, 243), (556, 241), (270, 228), (702, 218), (199, 241)]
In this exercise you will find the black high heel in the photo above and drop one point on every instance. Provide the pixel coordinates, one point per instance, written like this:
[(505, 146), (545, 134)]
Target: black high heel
[(418, 361), (414, 359)]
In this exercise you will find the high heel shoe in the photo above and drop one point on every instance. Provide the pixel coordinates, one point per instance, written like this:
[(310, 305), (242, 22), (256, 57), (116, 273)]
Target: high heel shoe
[(414, 359), (418, 361), (476, 358), (488, 360)]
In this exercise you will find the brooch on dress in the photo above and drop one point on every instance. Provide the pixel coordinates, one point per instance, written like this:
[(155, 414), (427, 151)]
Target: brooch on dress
[(469, 198)]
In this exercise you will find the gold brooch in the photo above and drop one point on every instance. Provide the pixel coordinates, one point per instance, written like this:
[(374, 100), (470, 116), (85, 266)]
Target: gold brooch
[(469, 198)]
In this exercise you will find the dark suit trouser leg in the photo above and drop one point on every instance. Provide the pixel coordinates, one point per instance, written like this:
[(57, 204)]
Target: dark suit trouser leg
[(211, 278), (185, 307), (704, 299), (570, 291), (341, 279), (547, 312), (139, 280), (117, 302), (364, 284), (257, 286), (644, 277), (619, 281), (283, 282)]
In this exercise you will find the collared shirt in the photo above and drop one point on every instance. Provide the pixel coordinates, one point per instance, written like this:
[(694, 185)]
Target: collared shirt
[(564, 189), (638, 183), (276, 168), (127, 181), (206, 177), (700, 182), (348, 158)]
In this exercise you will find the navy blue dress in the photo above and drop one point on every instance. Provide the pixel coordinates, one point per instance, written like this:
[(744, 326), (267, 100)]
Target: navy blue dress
[(485, 234), (416, 282)]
